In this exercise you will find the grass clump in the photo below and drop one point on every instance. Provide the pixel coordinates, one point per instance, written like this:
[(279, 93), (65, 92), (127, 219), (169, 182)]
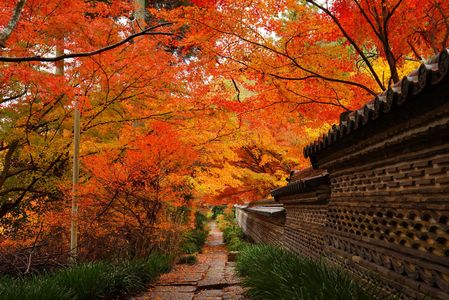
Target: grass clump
[(98, 280), (194, 239), (33, 288), (188, 259), (233, 235), (270, 272)]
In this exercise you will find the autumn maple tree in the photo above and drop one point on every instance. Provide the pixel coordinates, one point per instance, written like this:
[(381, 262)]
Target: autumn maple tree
[(181, 103)]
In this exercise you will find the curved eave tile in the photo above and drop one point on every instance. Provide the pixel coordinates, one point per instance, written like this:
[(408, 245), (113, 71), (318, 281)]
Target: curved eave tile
[(428, 74), (300, 186)]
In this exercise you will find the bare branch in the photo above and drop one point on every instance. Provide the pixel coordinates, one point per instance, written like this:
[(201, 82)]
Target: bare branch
[(148, 31), (237, 89), (350, 40), (292, 59), (153, 116)]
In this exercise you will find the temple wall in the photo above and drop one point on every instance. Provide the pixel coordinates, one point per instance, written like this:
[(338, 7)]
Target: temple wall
[(389, 207), (381, 210), (260, 228)]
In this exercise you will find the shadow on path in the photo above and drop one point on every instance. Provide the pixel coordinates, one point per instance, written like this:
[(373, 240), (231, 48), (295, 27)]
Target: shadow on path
[(211, 278)]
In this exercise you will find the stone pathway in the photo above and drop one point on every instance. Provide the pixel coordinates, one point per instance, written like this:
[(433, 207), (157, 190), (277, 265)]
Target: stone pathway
[(211, 278)]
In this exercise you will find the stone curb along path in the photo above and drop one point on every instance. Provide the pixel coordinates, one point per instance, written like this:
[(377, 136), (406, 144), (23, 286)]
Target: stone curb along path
[(212, 277)]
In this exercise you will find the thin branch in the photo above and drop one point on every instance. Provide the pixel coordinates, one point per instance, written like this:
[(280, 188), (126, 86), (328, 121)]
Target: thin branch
[(446, 23), (148, 31), (237, 89), (414, 51), (7, 99), (368, 19), (294, 61), (34, 247), (7, 161), (127, 120), (350, 40), (391, 13)]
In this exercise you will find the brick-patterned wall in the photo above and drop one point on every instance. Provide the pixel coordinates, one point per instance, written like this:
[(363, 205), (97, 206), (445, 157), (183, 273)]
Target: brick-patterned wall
[(389, 207), (306, 215), (260, 228), (387, 215), (304, 227), (394, 220)]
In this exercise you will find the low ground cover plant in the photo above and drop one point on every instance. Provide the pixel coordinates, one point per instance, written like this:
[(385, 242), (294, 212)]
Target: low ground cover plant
[(97, 280), (189, 259), (194, 239), (270, 272), (233, 235)]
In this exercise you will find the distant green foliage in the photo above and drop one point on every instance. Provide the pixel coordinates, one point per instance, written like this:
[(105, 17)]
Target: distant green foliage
[(97, 280), (273, 273), (194, 239), (218, 210), (200, 220), (233, 237)]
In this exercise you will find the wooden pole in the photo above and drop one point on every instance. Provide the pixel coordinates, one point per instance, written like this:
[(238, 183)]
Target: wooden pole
[(75, 174), (140, 7), (75, 182)]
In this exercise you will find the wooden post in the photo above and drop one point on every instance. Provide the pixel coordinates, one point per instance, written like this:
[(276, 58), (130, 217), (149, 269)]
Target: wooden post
[(140, 6), (75, 176), (75, 181)]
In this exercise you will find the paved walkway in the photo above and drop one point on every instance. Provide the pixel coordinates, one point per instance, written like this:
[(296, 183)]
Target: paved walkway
[(211, 278)]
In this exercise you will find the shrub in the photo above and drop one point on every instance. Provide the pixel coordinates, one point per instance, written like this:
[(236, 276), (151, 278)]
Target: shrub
[(231, 232), (87, 281), (200, 220), (273, 273), (33, 288), (194, 241), (218, 210), (233, 236), (236, 244), (188, 259)]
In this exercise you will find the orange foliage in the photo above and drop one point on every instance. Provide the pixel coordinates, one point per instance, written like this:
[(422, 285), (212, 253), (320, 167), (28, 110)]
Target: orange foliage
[(213, 106)]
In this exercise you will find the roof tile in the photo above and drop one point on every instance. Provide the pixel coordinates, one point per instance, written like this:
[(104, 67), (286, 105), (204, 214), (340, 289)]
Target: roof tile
[(428, 74)]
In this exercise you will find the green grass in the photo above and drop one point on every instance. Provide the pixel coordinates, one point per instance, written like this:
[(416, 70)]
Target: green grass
[(194, 239), (188, 259), (218, 210), (273, 273), (97, 280), (33, 288), (233, 237)]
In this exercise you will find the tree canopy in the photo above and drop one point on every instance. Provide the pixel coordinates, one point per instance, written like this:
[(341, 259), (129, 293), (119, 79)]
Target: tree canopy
[(183, 103)]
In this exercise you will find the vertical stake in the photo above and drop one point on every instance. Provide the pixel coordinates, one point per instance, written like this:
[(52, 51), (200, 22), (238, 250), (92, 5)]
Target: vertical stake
[(75, 181)]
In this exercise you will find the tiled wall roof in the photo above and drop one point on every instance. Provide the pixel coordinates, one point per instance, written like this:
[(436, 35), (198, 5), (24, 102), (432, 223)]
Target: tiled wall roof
[(428, 75)]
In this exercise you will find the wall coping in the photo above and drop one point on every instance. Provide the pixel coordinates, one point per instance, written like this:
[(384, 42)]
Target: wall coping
[(305, 185), (271, 211), (430, 74)]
